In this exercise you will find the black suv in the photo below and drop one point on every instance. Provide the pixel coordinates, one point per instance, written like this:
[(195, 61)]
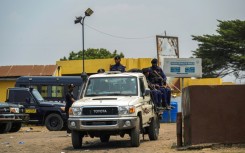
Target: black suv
[(48, 113)]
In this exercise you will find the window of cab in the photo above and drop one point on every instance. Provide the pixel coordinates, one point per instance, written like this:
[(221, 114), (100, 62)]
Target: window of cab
[(112, 86)]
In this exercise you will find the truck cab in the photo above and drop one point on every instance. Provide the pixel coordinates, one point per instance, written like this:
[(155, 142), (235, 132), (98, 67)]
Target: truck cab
[(50, 114), (114, 103)]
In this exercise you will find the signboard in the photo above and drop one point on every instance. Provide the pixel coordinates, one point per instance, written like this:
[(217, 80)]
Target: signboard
[(167, 47), (182, 67)]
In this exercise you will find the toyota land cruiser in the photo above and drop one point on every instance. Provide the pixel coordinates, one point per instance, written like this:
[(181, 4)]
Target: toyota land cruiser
[(114, 103)]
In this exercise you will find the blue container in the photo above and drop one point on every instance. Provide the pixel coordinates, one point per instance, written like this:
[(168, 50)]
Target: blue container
[(170, 116)]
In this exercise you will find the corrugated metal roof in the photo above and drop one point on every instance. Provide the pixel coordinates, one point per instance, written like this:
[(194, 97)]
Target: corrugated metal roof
[(27, 70)]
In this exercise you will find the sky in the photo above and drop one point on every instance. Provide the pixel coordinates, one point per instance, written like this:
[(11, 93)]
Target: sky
[(34, 32)]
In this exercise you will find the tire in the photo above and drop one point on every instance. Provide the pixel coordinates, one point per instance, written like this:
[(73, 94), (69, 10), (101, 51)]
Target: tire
[(105, 138), (154, 128), (54, 122), (5, 127), (9, 125), (15, 127), (135, 134), (77, 139)]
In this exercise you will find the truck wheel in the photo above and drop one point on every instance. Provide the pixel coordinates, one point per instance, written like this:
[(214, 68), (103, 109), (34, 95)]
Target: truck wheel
[(105, 138), (15, 127), (154, 129), (9, 125), (135, 134), (77, 139), (5, 127), (54, 122)]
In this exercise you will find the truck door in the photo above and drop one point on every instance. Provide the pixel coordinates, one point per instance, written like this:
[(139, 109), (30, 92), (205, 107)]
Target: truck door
[(25, 98), (147, 108)]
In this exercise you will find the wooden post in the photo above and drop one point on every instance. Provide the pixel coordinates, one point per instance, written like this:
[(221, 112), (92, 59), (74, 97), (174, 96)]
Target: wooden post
[(179, 129)]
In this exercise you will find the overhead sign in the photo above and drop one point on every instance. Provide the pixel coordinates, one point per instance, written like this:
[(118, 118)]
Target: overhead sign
[(167, 46), (182, 67)]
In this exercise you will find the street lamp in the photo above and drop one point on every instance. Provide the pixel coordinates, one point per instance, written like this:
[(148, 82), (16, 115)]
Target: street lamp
[(80, 19)]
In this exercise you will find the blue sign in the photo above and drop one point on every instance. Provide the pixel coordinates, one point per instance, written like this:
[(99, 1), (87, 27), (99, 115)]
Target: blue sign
[(175, 69), (182, 67), (190, 69)]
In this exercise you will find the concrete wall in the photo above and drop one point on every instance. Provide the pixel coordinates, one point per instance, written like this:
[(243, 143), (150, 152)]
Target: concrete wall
[(4, 84), (74, 67), (202, 81), (214, 114)]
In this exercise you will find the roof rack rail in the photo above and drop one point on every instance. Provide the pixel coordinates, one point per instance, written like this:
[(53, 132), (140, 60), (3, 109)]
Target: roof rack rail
[(113, 72)]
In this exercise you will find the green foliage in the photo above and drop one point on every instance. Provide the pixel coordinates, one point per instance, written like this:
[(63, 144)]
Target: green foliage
[(91, 53), (224, 53)]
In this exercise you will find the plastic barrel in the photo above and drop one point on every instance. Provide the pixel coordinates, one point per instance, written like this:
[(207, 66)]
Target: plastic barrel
[(170, 116)]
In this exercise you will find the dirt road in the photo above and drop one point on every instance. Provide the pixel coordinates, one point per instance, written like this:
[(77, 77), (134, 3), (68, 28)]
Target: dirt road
[(37, 139)]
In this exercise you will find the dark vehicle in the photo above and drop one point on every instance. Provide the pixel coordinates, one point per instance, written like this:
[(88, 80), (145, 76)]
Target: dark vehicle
[(50, 114), (11, 117), (51, 88)]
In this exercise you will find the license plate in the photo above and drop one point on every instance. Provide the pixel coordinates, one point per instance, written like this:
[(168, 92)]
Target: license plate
[(98, 123), (28, 110)]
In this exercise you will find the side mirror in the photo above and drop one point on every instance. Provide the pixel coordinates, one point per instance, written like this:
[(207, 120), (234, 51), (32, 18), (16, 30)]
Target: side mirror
[(147, 92), (84, 76)]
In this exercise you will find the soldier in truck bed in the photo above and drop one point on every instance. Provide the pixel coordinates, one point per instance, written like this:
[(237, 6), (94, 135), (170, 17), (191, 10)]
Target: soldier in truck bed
[(156, 94), (160, 79)]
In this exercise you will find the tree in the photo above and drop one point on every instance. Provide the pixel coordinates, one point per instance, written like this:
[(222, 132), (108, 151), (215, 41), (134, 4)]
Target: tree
[(91, 53), (224, 53)]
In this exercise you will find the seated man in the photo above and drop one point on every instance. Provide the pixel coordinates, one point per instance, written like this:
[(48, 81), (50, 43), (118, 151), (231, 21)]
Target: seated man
[(160, 79), (155, 94), (101, 70)]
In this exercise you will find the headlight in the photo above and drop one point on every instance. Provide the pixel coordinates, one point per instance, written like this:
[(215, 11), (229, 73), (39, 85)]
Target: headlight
[(62, 108), (21, 108), (76, 111), (14, 110), (123, 110)]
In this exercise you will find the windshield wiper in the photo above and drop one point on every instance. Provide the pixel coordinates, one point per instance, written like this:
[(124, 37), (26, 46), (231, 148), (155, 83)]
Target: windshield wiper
[(92, 95), (116, 94)]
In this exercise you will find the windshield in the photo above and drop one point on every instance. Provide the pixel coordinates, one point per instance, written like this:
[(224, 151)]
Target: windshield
[(37, 95), (111, 86)]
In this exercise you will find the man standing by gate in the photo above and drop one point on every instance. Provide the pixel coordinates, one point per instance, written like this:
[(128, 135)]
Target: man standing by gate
[(69, 101)]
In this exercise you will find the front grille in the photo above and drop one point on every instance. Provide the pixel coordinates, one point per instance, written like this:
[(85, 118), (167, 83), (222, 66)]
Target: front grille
[(100, 111), (5, 110), (22, 110), (99, 123), (9, 116)]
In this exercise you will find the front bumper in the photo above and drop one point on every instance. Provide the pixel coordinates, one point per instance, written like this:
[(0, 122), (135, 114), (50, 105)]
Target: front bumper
[(97, 124), (5, 118), (22, 117)]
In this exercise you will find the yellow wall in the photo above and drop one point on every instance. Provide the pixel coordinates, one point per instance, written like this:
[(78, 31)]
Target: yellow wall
[(228, 83), (56, 73), (91, 66), (4, 85), (204, 81), (74, 67)]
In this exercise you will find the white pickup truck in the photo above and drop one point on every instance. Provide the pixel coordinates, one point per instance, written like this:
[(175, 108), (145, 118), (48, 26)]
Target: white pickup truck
[(114, 103)]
